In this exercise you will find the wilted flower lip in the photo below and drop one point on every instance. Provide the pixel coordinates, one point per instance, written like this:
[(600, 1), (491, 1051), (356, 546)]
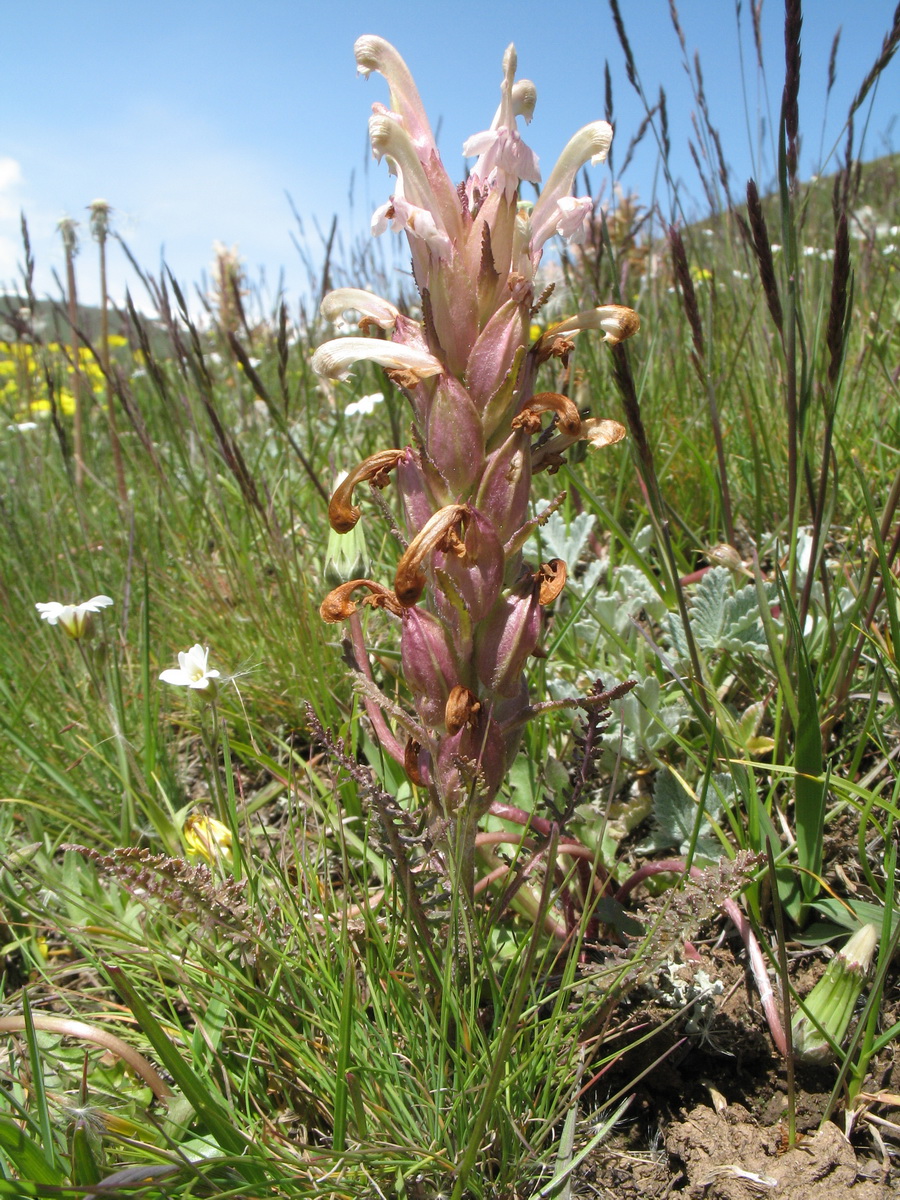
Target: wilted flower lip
[(596, 431), (370, 306), (342, 513), (551, 579), (615, 321), (602, 431), (333, 359), (462, 708), (192, 670), (337, 605), (409, 581), (567, 414)]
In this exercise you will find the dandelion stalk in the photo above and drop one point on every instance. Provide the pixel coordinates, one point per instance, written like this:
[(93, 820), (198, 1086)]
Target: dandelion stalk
[(100, 211), (67, 229)]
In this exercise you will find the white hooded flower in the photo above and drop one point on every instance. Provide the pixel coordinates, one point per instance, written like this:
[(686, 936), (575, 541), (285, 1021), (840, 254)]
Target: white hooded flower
[(334, 359)]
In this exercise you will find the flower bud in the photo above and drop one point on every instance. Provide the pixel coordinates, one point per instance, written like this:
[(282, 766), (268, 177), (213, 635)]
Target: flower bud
[(429, 665), (455, 436), (493, 352), (476, 569), (505, 639), (470, 766), (828, 1009), (505, 485), (346, 556)]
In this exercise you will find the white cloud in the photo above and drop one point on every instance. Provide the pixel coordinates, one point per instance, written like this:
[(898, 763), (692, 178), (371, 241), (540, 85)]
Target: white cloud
[(10, 183), (10, 205)]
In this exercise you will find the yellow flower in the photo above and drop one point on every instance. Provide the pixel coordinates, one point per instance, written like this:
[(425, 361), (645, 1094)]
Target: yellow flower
[(207, 838), (116, 341), (701, 274), (66, 401), (40, 406)]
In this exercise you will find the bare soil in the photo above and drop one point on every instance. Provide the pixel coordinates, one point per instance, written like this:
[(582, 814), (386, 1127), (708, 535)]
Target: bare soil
[(710, 1120)]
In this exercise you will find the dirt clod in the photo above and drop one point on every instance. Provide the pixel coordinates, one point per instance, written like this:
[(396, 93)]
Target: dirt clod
[(728, 1156)]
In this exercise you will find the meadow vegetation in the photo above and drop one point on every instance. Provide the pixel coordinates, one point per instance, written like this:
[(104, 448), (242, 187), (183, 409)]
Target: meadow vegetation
[(240, 957)]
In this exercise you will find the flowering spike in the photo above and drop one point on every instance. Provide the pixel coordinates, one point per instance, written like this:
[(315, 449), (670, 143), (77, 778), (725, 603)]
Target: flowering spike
[(469, 371)]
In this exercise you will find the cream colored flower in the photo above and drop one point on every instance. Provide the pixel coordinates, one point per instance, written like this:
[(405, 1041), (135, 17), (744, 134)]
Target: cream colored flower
[(75, 619)]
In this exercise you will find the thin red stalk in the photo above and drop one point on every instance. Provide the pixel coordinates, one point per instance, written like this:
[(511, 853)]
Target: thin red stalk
[(739, 919), (376, 716)]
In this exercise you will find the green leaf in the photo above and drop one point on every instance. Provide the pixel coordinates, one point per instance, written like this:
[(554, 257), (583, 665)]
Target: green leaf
[(27, 1156), (207, 1103), (85, 1168), (809, 784), (675, 814)]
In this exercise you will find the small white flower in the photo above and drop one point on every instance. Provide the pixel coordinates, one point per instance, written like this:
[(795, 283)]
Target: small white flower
[(74, 618), (364, 405), (22, 427), (192, 670)]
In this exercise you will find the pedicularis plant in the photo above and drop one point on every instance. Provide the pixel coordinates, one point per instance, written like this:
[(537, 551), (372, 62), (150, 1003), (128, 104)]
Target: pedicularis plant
[(469, 606)]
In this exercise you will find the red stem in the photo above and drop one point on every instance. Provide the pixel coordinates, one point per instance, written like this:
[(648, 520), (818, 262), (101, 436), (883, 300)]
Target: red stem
[(739, 919)]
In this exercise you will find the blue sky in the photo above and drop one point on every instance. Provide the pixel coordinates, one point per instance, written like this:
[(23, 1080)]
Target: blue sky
[(195, 119)]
